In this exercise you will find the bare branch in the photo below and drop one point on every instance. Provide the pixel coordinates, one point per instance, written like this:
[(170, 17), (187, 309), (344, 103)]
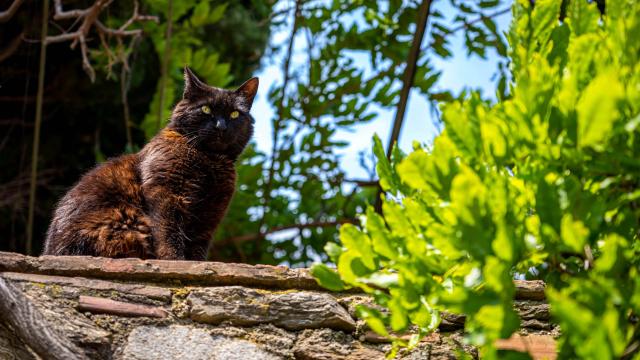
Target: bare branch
[(278, 121), (362, 183), (61, 38), (37, 124), (86, 65), (45, 338), (89, 17), (409, 72), (8, 14), (11, 48), (407, 82), (480, 18), (60, 14), (12, 193), (164, 69), (466, 24), (125, 79), (116, 32)]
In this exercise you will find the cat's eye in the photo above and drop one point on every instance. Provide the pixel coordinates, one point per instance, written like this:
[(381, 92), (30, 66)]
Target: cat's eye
[(234, 114), (206, 109)]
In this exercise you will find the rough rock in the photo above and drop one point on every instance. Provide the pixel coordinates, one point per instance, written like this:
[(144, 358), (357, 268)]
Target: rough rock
[(529, 310), (187, 343), (11, 347), (529, 289), (96, 308), (268, 337), (290, 310), (440, 347), (325, 344), (153, 292)]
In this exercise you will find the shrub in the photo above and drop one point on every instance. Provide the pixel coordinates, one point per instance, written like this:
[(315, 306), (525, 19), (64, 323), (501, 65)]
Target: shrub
[(541, 184)]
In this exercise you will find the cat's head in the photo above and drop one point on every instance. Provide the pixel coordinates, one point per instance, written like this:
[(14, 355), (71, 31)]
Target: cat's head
[(213, 119)]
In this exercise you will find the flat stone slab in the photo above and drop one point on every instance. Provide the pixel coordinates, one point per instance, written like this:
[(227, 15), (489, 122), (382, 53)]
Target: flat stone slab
[(162, 271), (153, 292), (287, 309), (188, 343), (202, 273)]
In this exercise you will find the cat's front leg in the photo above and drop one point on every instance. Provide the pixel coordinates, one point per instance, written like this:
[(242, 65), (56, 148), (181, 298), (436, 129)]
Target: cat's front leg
[(168, 244), (165, 212)]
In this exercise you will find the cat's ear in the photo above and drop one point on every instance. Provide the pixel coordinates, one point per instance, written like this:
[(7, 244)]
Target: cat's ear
[(248, 91), (192, 85)]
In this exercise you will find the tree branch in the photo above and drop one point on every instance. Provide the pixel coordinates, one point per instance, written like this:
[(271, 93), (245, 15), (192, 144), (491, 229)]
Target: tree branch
[(125, 79), (8, 14), (38, 122), (12, 194), (89, 17), (11, 48), (466, 24), (46, 339), (60, 14), (362, 182), (407, 82), (409, 72), (165, 63), (480, 18), (250, 237), (277, 123)]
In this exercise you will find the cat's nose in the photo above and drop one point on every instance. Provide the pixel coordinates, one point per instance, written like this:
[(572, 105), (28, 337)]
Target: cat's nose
[(221, 124)]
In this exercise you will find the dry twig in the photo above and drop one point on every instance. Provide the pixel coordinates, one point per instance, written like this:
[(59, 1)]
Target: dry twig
[(99, 305), (8, 14), (11, 48), (90, 19)]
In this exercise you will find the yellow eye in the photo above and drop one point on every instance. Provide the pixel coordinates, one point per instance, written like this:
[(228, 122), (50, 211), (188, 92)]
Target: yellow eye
[(234, 114), (206, 109)]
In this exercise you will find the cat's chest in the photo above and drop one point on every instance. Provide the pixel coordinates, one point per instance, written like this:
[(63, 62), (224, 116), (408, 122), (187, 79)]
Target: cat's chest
[(188, 175), (204, 179)]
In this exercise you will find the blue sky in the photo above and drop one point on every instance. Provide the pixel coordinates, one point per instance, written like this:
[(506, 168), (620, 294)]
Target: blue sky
[(458, 72)]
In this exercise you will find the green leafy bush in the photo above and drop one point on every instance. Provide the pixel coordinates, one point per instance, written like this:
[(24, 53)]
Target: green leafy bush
[(542, 184)]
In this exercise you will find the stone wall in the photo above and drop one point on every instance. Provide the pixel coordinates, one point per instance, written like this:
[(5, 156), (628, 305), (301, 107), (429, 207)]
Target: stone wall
[(97, 308)]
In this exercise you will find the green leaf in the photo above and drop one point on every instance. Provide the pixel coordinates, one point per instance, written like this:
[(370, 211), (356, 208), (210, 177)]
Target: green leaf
[(398, 319), (333, 250), (373, 318), (388, 179), (354, 239), (380, 236), (462, 126), (327, 278), (574, 234), (583, 16), (598, 109)]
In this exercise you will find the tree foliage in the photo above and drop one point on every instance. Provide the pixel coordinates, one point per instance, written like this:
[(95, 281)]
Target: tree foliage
[(348, 61), (541, 184), (84, 121), (343, 62)]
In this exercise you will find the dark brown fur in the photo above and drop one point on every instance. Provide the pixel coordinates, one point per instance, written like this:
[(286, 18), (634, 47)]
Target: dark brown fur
[(166, 201)]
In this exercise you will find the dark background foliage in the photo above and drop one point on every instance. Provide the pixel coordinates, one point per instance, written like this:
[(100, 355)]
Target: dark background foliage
[(83, 121), (291, 200)]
